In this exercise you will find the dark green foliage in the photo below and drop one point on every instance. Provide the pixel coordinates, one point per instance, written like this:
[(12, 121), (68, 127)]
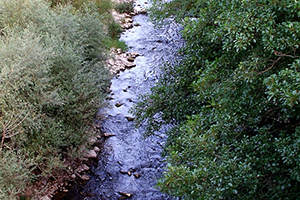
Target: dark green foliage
[(114, 29), (236, 97), (102, 6), (52, 82), (124, 7)]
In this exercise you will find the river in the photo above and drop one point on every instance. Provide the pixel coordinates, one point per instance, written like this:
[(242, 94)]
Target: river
[(130, 163)]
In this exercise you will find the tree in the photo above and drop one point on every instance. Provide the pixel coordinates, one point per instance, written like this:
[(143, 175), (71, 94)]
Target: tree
[(238, 89)]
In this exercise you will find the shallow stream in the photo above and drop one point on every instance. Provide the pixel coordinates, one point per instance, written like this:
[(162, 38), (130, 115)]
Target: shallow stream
[(129, 162)]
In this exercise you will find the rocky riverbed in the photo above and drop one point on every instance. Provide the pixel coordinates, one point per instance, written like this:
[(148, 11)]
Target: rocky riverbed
[(128, 164)]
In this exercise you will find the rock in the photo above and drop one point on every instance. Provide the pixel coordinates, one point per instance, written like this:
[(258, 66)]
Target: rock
[(118, 104), (140, 10), (96, 149), (128, 20), (127, 26), (130, 118), (73, 176), (85, 177), (90, 154), (98, 137), (128, 195), (45, 198), (129, 65), (120, 61), (82, 168), (96, 126), (134, 54), (108, 134), (92, 140), (130, 59), (44, 180), (123, 172), (136, 24), (136, 175), (119, 51), (120, 163)]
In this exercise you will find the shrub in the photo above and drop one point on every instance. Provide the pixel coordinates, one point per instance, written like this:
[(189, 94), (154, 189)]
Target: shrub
[(103, 6), (114, 29), (53, 81), (124, 7), (15, 173), (238, 137)]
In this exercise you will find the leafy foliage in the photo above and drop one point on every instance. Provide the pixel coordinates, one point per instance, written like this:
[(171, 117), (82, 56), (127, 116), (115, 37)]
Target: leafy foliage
[(124, 7), (52, 81), (103, 8), (234, 100)]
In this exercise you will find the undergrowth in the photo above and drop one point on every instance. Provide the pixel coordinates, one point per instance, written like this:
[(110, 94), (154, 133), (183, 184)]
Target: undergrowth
[(52, 82), (124, 7)]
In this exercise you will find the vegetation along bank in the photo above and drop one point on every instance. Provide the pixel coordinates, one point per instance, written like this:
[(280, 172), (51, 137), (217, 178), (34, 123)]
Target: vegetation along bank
[(233, 100), (53, 80)]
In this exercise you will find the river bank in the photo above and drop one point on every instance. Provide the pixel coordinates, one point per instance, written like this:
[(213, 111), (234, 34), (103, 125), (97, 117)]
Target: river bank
[(79, 168)]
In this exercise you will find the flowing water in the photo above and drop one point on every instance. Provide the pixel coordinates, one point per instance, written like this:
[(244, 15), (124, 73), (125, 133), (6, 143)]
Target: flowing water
[(129, 162)]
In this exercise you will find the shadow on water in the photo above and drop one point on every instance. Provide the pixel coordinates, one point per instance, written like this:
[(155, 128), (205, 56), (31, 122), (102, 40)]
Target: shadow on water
[(130, 163)]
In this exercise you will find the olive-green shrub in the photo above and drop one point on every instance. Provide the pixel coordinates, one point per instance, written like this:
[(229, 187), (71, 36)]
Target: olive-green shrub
[(52, 82), (104, 8), (124, 7), (233, 100)]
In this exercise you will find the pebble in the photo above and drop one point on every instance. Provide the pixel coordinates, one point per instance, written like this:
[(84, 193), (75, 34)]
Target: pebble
[(96, 149), (128, 195), (91, 154), (130, 59), (123, 172), (85, 177), (129, 118), (45, 198), (118, 104), (136, 175), (92, 140), (82, 168), (120, 163), (108, 134)]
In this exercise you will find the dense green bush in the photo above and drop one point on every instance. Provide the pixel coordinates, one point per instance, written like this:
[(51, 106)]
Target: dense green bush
[(234, 100), (103, 7), (124, 7), (52, 81)]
